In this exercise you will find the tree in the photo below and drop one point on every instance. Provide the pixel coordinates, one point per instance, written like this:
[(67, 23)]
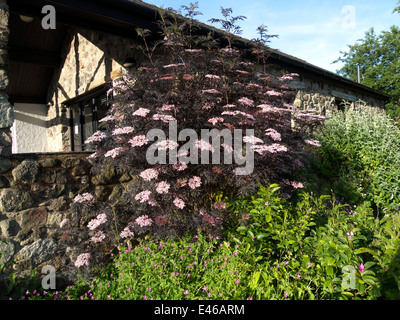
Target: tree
[(397, 9), (378, 58), (197, 90)]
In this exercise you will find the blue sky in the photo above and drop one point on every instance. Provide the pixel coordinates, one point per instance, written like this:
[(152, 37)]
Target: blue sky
[(315, 31)]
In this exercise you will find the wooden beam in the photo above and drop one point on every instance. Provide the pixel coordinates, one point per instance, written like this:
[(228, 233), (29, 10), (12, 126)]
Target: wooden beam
[(33, 56)]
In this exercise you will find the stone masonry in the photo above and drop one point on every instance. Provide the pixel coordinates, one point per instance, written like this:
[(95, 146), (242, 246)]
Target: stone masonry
[(36, 193)]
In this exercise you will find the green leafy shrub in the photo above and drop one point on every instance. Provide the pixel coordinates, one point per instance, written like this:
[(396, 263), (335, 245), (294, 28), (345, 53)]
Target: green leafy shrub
[(361, 148)]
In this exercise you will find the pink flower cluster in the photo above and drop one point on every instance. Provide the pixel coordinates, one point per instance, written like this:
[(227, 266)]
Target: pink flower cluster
[(99, 220), (162, 187), (141, 112), (168, 107), (125, 130), (288, 77), (144, 221), (180, 166), (194, 182), (220, 205), (236, 112), (273, 148), (212, 76), (211, 91), (215, 120), (179, 203), (138, 141), (274, 93), (85, 197), (96, 137), (98, 237), (252, 139), (143, 196), (114, 152), (163, 117), (246, 102), (275, 135), (83, 260), (126, 233), (204, 145), (149, 174), (146, 196), (167, 145), (313, 142)]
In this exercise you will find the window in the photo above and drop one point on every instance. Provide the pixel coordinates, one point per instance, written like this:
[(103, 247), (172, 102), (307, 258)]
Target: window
[(84, 114)]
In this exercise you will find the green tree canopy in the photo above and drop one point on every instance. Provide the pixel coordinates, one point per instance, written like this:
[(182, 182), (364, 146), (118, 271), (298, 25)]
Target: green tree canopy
[(379, 59)]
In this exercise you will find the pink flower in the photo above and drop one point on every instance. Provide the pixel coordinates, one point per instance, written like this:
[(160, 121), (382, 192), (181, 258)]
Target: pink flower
[(126, 233), (138, 141), (313, 142), (237, 281), (246, 102), (286, 294), (98, 237), (193, 50), (149, 174), (186, 292), (179, 203), (168, 107), (208, 106), (162, 187), (361, 267), (99, 220), (96, 137), (220, 205), (163, 117), (252, 139), (204, 145), (229, 106), (141, 112), (167, 144), (211, 91), (144, 221), (212, 76), (215, 120), (83, 198), (297, 185), (114, 152), (83, 260), (143, 196), (124, 130), (274, 93), (273, 148), (180, 166), (275, 135), (194, 182)]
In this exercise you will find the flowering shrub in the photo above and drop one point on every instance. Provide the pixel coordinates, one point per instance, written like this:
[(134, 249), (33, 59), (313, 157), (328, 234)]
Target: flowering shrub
[(189, 82)]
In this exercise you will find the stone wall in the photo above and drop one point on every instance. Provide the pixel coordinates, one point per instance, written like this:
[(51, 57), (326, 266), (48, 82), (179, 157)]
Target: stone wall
[(6, 110), (324, 98), (36, 193)]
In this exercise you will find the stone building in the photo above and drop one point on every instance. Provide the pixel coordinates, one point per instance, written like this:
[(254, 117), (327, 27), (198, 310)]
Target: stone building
[(53, 84), (53, 80)]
